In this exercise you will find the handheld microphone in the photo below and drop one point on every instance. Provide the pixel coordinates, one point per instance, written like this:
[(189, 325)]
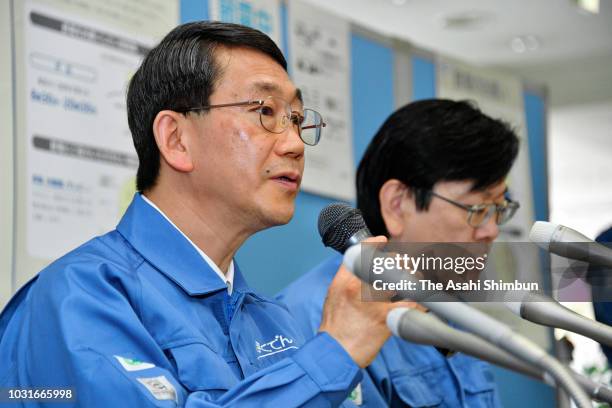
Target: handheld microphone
[(425, 328), (341, 226), (568, 243), (546, 311), (472, 319)]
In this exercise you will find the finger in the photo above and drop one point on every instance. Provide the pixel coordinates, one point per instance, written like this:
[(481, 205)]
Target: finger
[(411, 305), (378, 238)]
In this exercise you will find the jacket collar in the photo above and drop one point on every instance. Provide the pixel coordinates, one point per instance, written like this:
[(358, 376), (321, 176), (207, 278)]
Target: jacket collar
[(162, 245)]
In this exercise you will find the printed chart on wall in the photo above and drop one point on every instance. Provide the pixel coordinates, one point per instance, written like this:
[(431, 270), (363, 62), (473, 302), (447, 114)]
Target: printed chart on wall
[(79, 56), (263, 15), (319, 45)]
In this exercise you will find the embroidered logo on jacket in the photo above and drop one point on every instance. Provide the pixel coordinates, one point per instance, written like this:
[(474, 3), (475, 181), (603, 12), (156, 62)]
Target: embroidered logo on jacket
[(278, 345), (132, 364)]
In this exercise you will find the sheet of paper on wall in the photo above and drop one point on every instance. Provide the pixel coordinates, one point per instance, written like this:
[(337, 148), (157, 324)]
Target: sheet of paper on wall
[(319, 45), (499, 96), (80, 160), (263, 15)]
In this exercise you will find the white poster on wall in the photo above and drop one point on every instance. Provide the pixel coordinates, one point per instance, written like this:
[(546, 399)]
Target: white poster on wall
[(263, 15), (501, 97), (80, 159), (319, 45)]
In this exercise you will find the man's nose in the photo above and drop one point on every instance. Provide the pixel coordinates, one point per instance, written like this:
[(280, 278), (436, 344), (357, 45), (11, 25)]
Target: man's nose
[(289, 143), (488, 231)]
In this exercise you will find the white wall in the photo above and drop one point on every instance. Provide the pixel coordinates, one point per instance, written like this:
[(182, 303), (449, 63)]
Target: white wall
[(6, 154), (580, 178), (580, 166)]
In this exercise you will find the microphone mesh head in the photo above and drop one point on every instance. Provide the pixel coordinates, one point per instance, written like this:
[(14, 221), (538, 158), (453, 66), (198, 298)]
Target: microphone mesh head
[(337, 223), (542, 232)]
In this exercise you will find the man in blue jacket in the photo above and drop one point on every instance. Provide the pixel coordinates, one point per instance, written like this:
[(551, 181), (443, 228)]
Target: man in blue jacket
[(156, 312), (434, 172)]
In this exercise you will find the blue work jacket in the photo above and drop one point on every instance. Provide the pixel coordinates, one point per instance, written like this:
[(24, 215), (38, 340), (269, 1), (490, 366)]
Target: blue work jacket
[(137, 318), (403, 374)]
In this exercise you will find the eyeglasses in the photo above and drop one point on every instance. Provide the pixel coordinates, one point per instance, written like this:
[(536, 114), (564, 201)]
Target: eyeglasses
[(479, 214), (275, 115)]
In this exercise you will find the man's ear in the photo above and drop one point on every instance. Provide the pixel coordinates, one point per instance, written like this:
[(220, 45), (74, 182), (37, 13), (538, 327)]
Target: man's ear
[(169, 128), (395, 206)]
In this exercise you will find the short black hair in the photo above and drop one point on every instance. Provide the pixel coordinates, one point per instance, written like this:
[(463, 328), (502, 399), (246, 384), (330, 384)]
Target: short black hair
[(180, 72), (429, 141)]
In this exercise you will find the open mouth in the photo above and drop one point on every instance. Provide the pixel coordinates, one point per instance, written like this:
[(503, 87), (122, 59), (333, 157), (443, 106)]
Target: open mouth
[(285, 178), (289, 181)]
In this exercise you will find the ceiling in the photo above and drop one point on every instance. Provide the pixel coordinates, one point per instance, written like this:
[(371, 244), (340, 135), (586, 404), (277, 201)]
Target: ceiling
[(481, 31), (569, 40)]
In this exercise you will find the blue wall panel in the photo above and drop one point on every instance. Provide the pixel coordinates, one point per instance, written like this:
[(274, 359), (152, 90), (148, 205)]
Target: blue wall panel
[(193, 10), (423, 78), (535, 115), (372, 88), (284, 15)]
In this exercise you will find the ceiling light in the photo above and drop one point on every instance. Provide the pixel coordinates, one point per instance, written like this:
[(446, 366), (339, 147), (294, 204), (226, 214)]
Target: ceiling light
[(398, 2), (591, 6), (524, 43), (465, 20), (518, 45)]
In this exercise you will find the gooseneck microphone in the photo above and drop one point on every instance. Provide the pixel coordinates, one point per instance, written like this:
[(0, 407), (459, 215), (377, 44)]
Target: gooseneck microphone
[(546, 311), (566, 242), (569, 243), (425, 328), (453, 310)]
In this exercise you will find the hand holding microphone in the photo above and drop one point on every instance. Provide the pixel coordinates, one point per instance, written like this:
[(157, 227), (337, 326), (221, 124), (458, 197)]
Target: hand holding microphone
[(360, 327)]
